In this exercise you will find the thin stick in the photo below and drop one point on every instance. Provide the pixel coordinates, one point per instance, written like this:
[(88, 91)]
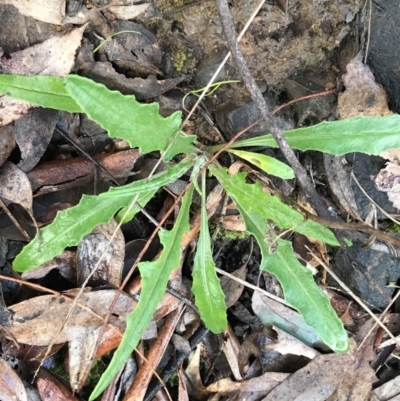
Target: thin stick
[(87, 155), (371, 200), (214, 77), (382, 315), (102, 168), (369, 31), (253, 287), (282, 106), (310, 192)]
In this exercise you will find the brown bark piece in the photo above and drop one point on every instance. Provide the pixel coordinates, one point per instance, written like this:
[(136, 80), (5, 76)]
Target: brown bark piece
[(58, 172), (52, 389), (139, 386)]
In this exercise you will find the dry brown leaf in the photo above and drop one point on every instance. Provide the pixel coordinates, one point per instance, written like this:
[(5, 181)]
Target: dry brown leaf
[(12, 109), (128, 11), (15, 186), (392, 154), (7, 143), (11, 387), (231, 351), (65, 263), (182, 390), (356, 384), (35, 321), (234, 223), (388, 390), (193, 380), (287, 344), (54, 56), (340, 184), (251, 389), (81, 353), (231, 288), (33, 133), (316, 381), (50, 11), (363, 95), (91, 249)]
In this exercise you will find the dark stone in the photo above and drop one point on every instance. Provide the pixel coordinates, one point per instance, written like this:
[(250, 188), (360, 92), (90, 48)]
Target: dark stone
[(233, 117), (309, 111), (383, 48), (367, 272), (365, 167), (209, 64), (136, 52)]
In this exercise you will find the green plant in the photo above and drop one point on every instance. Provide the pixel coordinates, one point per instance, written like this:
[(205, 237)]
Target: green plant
[(142, 126)]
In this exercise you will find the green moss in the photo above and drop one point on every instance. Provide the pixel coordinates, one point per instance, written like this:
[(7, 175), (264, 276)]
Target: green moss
[(166, 6), (224, 234), (394, 228), (98, 368), (183, 61), (159, 26)]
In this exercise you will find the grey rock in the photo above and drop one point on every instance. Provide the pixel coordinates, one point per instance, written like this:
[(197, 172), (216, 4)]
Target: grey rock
[(383, 48), (232, 118), (209, 64), (367, 272), (365, 167)]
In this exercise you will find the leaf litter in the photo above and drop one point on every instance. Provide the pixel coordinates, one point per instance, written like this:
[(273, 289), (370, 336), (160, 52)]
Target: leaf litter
[(34, 320)]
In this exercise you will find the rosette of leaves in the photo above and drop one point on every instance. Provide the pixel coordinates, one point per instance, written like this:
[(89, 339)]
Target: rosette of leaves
[(143, 127)]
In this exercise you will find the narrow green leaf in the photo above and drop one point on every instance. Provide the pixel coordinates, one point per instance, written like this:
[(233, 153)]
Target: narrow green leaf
[(306, 297), (124, 117), (71, 225), (45, 91), (155, 276), (143, 199), (370, 135), (252, 198), (266, 163), (298, 285), (171, 174), (210, 298)]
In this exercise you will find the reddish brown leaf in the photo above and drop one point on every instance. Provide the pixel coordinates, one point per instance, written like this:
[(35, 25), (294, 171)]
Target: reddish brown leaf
[(52, 389)]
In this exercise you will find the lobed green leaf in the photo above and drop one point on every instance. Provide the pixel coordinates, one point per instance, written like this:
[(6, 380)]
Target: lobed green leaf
[(266, 163), (306, 297), (71, 225), (155, 276), (45, 91), (252, 198), (124, 117), (370, 135), (210, 298), (298, 285)]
